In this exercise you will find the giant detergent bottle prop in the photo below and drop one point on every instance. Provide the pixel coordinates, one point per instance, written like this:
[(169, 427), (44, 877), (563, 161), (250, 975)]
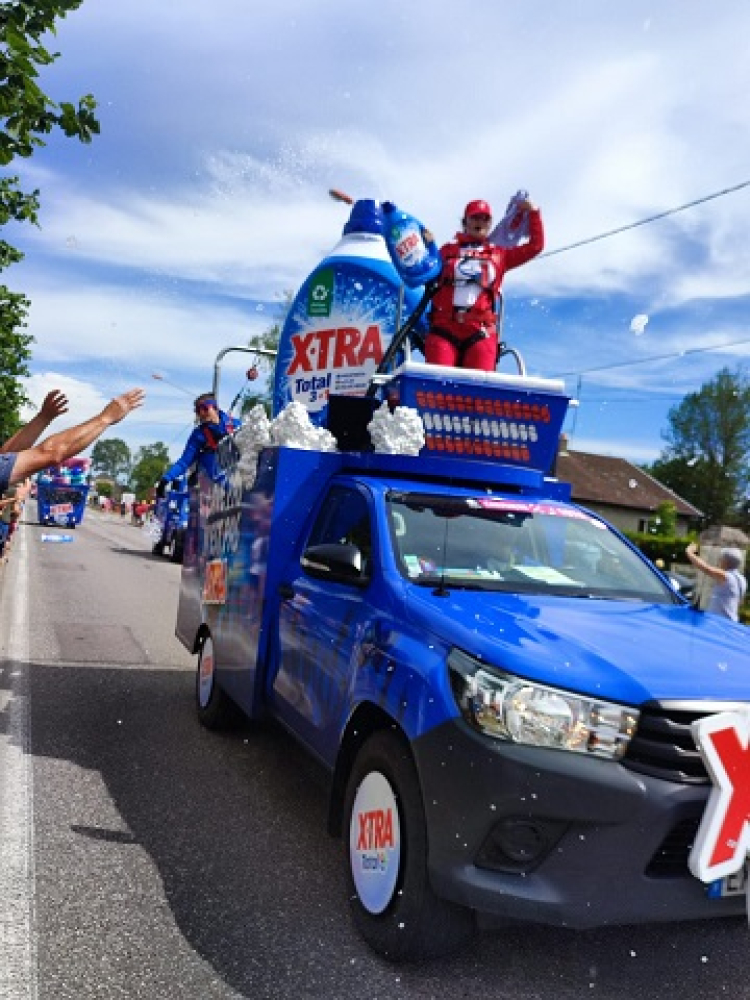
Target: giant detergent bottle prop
[(417, 260), (342, 318)]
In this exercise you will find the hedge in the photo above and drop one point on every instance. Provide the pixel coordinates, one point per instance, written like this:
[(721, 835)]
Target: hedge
[(670, 548)]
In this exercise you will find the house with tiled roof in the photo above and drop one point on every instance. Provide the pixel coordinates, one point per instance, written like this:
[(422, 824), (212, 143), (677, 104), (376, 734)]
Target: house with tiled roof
[(625, 495)]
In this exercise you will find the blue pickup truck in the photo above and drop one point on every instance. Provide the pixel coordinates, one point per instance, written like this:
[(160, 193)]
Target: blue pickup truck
[(499, 685)]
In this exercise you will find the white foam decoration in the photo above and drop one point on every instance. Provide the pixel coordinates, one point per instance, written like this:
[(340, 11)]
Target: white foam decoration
[(397, 432), (292, 428), (251, 439)]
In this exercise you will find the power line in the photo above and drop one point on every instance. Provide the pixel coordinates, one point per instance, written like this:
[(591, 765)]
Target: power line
[(644, 222), (645, 398), (655, 357)]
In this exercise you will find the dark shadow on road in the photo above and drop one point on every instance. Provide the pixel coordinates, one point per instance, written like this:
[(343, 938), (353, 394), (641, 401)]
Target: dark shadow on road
[(235, 825), (146, 554)]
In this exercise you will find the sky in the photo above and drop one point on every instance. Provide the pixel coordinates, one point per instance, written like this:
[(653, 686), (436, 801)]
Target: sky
[(204, 199)]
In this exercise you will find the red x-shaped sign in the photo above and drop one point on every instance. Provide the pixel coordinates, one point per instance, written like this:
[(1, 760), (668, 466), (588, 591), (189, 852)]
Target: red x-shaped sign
[(723, 839)]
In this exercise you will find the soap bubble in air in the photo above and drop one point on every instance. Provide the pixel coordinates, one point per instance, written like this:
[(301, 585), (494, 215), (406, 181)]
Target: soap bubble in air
[(638, 324)]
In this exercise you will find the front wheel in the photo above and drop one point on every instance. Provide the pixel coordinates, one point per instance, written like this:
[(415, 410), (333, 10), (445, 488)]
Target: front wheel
[(393, 905), (215, 709)]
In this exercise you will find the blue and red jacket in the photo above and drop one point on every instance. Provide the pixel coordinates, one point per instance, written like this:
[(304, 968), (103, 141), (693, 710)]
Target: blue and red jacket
[(201, 448)]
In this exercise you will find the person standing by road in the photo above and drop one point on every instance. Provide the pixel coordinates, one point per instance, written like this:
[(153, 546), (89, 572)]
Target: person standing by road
[(730, 586)]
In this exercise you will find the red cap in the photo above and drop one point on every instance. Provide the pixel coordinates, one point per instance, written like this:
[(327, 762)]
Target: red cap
[(477, 208)]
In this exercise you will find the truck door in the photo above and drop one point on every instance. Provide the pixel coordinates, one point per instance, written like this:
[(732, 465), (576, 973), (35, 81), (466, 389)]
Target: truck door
[(321, 622)]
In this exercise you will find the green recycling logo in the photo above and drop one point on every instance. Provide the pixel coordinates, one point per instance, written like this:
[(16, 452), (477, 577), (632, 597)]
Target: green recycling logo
[(320, 293)]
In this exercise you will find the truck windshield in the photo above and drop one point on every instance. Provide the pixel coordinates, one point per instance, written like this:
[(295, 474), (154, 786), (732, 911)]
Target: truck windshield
[(516, 546), (61, 494)]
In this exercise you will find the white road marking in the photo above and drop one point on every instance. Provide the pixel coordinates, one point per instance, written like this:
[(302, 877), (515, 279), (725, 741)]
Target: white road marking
[(18, 979)]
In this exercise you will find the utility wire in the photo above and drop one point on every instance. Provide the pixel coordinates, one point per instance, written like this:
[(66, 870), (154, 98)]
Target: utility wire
[(644, 222), (656, 357)]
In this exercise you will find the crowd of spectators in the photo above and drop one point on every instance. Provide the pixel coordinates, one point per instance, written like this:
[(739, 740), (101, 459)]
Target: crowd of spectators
[(21, 456)]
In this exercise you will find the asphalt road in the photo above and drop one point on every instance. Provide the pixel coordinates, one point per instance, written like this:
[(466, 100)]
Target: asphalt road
[(144, 857)]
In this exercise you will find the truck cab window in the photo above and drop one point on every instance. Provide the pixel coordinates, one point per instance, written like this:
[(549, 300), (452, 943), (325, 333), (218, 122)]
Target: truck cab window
[(344, 519)]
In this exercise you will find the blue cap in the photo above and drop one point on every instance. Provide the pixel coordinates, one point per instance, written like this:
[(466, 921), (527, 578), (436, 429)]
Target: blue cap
[(366, 217)]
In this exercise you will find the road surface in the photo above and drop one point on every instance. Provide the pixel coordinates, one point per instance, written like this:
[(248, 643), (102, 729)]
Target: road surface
[(143, 857)]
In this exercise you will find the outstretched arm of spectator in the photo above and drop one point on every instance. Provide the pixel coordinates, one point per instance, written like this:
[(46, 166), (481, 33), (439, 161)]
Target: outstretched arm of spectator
[(55, 403), (715, 572), (57, 447)]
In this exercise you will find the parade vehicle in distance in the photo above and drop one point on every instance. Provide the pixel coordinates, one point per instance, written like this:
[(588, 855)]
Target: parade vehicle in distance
[(500, 686), (62, 492), (171, 514)]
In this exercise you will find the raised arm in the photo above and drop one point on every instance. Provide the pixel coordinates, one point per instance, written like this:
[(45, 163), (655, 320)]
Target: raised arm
[(55, 403), (515, 256), (58, 447), (715, 572)]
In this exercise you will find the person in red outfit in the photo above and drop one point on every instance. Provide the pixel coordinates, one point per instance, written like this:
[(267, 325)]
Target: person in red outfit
[(463, 322)]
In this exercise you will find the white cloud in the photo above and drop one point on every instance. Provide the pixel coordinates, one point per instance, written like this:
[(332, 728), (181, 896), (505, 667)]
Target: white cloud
[(206, 190)]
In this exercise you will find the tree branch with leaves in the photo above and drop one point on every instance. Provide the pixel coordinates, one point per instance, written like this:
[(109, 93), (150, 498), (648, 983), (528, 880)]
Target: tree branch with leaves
[(27, 116)]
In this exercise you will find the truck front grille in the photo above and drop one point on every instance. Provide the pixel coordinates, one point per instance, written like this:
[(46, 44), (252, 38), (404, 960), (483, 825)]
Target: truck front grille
[(663, 745)]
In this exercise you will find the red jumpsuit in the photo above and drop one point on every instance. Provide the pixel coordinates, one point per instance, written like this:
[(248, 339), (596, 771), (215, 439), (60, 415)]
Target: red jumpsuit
[(463, 323)]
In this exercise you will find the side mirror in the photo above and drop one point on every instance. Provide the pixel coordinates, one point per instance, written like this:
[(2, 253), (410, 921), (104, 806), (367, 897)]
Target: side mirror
[(334, 561)]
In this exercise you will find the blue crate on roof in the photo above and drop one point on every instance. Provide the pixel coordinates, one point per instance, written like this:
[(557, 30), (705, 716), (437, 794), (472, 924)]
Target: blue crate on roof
[(490, 416)]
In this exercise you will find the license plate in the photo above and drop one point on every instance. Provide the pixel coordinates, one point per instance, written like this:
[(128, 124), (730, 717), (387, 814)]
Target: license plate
[(731, 885)]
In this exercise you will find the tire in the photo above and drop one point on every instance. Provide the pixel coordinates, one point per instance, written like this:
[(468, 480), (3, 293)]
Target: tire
[(393, 905), (178, 546), (158, 547), (215, 709)]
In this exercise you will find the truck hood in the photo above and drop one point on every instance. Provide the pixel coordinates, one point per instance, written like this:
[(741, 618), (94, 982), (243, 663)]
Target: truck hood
[(619, 650)]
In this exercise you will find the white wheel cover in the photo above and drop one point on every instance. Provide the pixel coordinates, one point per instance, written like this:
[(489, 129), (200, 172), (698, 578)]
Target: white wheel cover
[(206, 673), (375, 842)]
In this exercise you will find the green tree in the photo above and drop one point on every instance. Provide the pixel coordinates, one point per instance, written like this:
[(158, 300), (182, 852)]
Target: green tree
[(14, 354), (27, 112), (111, 457), (150, 462), (708, 446), (27, 115), (664, 522)]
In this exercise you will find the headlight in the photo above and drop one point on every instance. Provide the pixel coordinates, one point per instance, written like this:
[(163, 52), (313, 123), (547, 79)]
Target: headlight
[(510, 708)]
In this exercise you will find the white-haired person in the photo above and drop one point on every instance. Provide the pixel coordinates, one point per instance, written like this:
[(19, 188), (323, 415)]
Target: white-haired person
[(730, 586)]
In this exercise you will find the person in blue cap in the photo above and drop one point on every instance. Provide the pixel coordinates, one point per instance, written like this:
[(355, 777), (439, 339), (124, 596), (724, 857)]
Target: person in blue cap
[(213, 425)]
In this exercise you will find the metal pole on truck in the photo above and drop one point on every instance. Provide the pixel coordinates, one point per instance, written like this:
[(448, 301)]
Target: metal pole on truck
[(401, 336), (263, 351)]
